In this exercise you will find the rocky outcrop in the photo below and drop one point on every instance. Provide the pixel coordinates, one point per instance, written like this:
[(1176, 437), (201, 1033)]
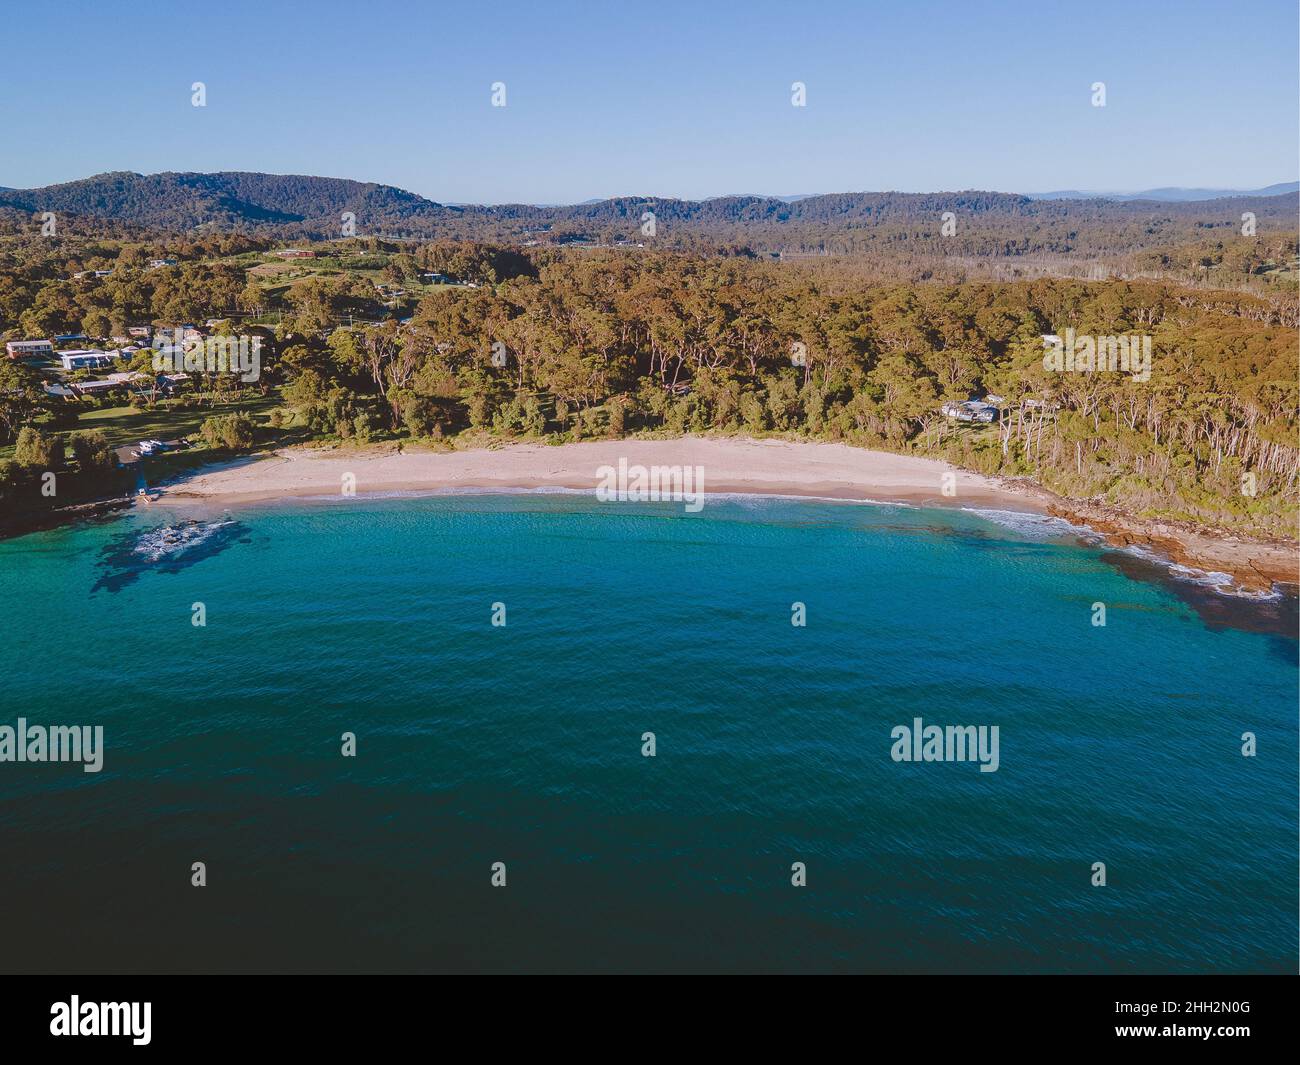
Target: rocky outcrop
[(1256, 565)]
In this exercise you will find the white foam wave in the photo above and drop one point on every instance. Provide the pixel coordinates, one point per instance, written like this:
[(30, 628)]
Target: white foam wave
[(1033, 525), (1215, 580), (171, 540), (419, 493), (1046, 526)]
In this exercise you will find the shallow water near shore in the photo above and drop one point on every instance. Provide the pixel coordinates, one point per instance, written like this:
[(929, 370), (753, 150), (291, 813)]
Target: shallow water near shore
[(523, 743)]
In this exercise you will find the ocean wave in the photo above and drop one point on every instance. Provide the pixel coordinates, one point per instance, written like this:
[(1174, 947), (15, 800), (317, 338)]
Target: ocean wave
[(480, 490), (164, 549), (1035, 526), (171, 541), (424, 493), (865, 501), (1214, 580), (1047, 527)]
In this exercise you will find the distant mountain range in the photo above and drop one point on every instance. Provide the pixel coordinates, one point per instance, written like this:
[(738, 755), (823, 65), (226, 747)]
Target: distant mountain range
[(1170, 194), (299, 205), (224, 200)]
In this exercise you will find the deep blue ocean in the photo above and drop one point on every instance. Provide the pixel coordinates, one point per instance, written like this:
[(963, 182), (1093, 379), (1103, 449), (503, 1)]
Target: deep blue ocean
[(522, 744)]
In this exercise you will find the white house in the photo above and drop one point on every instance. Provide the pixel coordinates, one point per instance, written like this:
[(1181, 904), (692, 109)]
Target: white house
[(86, 359), (972, 410)]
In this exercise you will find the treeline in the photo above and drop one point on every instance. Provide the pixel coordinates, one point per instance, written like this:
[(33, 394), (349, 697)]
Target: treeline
[(48, 469), (571, 344), (904, 235), (613, 344), (182, 201), (40, 296)]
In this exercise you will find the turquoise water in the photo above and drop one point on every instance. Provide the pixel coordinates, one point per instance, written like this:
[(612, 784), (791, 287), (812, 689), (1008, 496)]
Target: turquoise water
[(522, 744)]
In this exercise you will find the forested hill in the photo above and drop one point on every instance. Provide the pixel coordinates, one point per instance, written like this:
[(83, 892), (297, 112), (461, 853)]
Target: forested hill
[(230, 200), (986, 223)]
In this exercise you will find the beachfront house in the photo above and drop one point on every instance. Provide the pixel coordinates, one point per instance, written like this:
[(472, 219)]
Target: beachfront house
[(29, 349), (971, 410)]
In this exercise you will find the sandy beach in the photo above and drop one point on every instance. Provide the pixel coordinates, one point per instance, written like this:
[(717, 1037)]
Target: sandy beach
[(727, 465)]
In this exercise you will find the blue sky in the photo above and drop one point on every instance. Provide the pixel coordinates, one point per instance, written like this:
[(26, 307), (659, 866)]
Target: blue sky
[(668, 99)]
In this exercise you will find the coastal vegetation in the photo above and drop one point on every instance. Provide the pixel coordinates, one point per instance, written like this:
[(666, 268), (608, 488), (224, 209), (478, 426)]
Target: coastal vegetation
[(562, 343)]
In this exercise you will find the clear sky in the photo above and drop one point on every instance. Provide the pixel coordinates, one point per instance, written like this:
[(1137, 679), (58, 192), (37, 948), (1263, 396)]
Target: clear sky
[(669, 98)]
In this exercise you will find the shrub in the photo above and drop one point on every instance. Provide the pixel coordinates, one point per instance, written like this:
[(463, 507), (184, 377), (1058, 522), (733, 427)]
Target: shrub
[(231, 431), (91, 451), (38, 449)]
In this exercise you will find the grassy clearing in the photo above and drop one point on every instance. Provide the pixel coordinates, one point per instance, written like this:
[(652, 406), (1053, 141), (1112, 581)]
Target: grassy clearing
[(126, 425)]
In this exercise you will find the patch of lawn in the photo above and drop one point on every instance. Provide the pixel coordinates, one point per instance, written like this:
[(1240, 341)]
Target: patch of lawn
[(126, 425)]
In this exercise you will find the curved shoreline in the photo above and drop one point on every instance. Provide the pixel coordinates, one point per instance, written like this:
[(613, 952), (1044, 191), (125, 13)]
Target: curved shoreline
[(729, 466)]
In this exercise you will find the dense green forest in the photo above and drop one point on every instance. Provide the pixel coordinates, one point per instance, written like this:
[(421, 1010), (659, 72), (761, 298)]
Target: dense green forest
[(567, 344)]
